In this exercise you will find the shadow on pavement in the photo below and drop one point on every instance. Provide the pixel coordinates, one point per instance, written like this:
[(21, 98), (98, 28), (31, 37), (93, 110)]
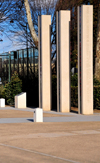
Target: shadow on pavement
[(31, 120)]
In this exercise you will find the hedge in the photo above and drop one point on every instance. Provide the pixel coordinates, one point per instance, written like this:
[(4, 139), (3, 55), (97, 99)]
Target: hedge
[(11, 89), (74, 96), (31, 87), (96, 92), (96, 96)]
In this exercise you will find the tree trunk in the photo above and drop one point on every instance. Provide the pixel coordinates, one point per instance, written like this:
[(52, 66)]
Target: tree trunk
[(30, 23), (97, 60)]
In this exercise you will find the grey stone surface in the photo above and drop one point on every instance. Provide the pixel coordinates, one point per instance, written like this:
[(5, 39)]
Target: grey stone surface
[(73, 117)]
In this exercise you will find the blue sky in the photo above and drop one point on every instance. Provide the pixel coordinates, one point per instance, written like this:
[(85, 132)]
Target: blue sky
[(11, 45), (5, 45)]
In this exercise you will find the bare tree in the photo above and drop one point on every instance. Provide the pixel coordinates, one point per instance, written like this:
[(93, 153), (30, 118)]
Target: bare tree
[(30, 22), (23, 15), (8, 9)]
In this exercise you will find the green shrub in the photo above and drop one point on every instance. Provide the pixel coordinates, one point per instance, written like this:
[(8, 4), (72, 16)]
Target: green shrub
[(96, 97), (54, 91), (11, 89), (95, 81), (96, 92), (1, 90), (74, 96), (74, 91), (74, 79)]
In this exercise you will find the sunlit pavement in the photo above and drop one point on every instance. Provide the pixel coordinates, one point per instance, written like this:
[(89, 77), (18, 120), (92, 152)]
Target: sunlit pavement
[(71, 138), (69, 117)]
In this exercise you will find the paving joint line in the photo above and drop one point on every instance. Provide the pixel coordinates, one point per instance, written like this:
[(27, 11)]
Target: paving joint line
[(39, 153)]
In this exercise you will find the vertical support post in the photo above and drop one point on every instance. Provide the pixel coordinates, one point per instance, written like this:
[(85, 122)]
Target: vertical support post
[(39, 62), (85, 59), (0, 67), (34, 60), (27, 52), (9, 66), (23, 60), (58, 61), (79, 57), (14, 63), (63, 61), (6, 70), (18, 62), (44, 23), (27, 65)]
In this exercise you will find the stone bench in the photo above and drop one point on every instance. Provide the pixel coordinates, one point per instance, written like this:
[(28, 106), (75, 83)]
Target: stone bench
[(20, 100), (2, 102), (38, 115)]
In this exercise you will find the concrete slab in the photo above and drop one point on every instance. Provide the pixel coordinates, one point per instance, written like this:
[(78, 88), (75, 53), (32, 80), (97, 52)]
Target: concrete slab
[(70, 142), (80, 118), (51, 116)]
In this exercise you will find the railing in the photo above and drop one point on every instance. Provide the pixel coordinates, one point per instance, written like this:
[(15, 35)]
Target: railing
[(24, 64)]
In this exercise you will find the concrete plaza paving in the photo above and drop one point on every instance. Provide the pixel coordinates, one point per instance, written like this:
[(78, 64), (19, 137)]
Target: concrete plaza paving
[(62, 138), (68, 117)]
